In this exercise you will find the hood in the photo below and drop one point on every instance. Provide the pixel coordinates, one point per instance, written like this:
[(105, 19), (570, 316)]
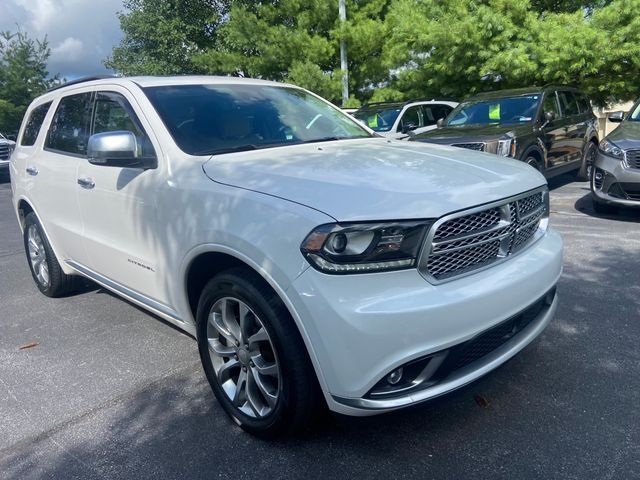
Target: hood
[(627, 135), (375, 178), (472, 133)]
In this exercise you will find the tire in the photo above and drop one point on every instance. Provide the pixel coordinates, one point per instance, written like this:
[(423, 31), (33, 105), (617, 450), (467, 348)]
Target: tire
[(271, 405), (588, 160), (44, 266), (534, 162), (604, 208)]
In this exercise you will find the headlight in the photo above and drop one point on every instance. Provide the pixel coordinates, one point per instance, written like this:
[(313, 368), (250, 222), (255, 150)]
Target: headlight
[(506, 148), (364, 247), (611, 149)]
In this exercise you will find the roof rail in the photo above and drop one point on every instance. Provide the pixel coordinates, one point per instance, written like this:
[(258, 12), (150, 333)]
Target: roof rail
[(413, 100), (81, 80)]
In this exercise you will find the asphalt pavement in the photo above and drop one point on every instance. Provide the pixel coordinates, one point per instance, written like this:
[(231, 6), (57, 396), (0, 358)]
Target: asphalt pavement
[(102, 389)]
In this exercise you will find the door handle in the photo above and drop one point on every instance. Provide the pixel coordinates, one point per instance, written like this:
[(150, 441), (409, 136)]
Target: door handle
[(33, 171), (86, 183)]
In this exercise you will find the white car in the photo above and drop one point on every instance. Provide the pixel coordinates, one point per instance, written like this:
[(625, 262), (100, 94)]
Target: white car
[(316, 263), (398, 120), (6, 147)]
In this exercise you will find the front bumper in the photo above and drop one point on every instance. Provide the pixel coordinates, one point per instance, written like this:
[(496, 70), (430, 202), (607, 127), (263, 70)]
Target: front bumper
[(619, 185), (362, 327)]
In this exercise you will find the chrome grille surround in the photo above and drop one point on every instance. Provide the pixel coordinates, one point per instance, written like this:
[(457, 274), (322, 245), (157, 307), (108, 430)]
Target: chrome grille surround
[(466, 242), (478, 146), (632, 158)]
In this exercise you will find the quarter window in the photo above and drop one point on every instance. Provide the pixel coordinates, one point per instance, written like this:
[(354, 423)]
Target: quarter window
[(69, 131), (32, 128)]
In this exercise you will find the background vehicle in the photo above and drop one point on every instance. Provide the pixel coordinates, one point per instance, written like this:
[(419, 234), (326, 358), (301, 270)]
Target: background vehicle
[(616, 175), (397, 119), (302, 251), (6, 147), (552, 129)]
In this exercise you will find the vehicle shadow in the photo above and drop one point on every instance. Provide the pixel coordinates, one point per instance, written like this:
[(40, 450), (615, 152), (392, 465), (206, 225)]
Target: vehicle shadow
[(564, 179), (510, 424), (623, 214)]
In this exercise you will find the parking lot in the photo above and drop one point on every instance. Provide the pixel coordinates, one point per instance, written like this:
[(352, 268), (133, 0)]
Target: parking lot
[(105, 390)]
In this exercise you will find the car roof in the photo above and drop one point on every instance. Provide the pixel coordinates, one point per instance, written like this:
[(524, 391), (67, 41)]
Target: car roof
[(518, 91), (373, 105)]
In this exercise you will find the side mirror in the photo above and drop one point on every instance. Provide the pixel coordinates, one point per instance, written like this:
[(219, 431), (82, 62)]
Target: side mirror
[(406, 128), (440, 123), (117, 149), (550, 116), (616, 117)]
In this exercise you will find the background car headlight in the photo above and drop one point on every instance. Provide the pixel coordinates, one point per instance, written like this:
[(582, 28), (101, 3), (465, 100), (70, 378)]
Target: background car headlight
[(506, 148), (611, 149), (365, 247)]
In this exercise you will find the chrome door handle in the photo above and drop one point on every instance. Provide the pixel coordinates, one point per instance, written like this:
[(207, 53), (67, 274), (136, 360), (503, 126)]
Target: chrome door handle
[(86, 183), (33, 171)]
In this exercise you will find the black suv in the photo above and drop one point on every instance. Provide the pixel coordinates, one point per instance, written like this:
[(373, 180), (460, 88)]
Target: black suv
[(551, 128)]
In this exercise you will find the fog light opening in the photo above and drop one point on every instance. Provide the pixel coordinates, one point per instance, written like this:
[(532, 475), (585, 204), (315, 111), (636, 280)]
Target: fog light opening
[(394, 377)]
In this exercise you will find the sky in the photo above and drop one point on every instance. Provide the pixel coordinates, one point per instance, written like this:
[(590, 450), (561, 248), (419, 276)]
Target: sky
[(81, 33)]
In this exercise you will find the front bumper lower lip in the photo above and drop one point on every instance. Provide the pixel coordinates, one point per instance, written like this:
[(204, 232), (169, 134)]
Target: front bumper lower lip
[(464, 375)]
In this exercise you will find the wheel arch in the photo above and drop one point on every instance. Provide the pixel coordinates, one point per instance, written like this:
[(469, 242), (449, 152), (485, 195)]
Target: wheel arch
[(205, 261), (536, 152)]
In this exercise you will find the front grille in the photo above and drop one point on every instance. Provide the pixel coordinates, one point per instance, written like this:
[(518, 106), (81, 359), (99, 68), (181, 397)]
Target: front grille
[(474, 240), (4, 152), (479, 146), (633, 158)]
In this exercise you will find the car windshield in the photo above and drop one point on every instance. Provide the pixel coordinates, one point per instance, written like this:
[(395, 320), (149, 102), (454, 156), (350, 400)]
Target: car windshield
[(378, 119), (224, 118), (635, 113), (499, 111)]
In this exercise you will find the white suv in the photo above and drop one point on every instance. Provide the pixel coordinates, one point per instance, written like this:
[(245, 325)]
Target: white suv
[(316, 264)]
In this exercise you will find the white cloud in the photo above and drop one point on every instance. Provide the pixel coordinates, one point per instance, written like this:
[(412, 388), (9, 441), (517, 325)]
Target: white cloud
[(81, 33), (69, 49)]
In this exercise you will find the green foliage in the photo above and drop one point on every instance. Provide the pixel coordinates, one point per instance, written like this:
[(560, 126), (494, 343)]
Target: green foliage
[(161, 38), (397, 49), (23, 76)]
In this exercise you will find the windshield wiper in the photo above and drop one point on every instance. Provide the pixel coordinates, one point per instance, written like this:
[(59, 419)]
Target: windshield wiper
[(220, 151), (327, 139)]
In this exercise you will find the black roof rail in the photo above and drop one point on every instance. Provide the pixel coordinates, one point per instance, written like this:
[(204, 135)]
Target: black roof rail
[(405, 102), (81, 80)]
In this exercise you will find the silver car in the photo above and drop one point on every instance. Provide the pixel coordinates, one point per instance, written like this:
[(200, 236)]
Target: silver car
[(615, 179)]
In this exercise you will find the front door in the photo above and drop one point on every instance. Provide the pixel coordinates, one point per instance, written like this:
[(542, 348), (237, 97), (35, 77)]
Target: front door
[(554, 132), (118, 205)]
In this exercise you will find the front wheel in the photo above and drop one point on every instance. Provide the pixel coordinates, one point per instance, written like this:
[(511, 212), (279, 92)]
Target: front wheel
[(253, 356)]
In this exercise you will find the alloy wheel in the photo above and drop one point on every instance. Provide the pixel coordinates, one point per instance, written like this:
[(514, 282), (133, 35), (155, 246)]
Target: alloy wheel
[(243, 357), (38, 256)]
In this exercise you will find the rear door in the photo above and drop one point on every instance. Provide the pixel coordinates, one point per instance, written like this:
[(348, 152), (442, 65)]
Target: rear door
[(118, 205), (554, 133), (54, 172), (574, 125)]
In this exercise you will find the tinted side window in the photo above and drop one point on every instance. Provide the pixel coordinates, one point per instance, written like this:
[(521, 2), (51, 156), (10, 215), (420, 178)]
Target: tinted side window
[(69, 129), (413, 116), (550, 104), (584, 103), (568, 104), (114, 113), (32, 128), (433, 113)]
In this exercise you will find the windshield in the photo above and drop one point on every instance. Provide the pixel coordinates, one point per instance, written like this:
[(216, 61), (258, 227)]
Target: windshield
[(508, 110), (635, 113), (213, 119), (379, 119)]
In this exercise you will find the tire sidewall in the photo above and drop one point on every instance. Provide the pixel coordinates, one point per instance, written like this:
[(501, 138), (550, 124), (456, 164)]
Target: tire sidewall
[(228, 285), (32, 220)]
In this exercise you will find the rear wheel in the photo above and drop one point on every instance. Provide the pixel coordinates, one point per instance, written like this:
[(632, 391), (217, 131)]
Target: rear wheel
[(45, 269), (253, 356), (588, 161)]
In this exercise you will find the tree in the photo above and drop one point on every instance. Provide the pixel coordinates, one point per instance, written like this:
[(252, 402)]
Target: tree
[(161, 38), (23, 76)]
